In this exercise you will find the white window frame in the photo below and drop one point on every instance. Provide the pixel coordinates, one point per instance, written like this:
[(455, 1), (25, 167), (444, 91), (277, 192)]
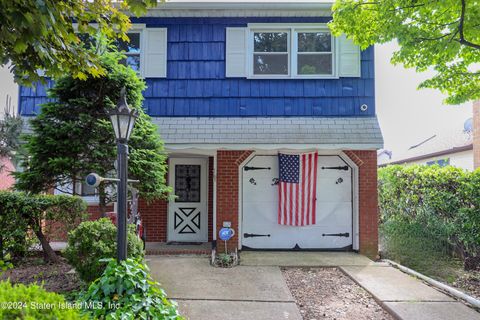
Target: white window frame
[(251, 53), (293, 30), (139, 28)]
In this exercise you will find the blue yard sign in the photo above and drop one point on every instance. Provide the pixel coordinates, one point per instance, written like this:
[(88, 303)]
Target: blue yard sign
[(226, 234)]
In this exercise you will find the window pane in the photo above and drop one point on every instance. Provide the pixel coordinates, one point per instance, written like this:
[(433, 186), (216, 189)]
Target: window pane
[(132, 61), (270, 41), (187, 183), (270, 64), (130, 47), (314, 42), (314, 64)]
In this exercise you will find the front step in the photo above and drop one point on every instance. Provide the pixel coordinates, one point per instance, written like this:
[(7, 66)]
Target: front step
[(161, 248)]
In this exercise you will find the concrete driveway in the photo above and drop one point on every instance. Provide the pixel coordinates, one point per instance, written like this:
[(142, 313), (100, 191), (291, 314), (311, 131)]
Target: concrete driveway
[(240, 293), (254, 290)]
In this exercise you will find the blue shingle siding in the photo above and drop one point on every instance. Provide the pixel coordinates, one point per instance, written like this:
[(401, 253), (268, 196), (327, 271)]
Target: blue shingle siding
[(196, 83)]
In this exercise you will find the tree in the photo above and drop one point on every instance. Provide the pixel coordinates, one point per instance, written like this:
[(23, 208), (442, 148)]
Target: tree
[(72, 135), (10, 129), (443, 35), (41, 35)]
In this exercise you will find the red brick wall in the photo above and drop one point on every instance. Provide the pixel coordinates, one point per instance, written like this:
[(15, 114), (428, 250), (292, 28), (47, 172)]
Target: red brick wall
[(227, 190), (55, 231), (476, 134), (154, 218), (366, 160)]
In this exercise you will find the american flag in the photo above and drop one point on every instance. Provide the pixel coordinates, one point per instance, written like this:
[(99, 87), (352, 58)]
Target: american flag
[(297, 188)]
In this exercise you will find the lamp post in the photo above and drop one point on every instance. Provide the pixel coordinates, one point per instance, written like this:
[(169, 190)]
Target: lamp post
[(123, 120)]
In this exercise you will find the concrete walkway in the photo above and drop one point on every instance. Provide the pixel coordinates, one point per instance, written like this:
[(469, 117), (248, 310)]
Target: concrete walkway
[(257, 290), (406, 297), (239, 293)]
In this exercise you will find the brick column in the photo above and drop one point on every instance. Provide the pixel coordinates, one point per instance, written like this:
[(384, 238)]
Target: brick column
[(227, 191), (476, 134), (366, 160), (154, 219)]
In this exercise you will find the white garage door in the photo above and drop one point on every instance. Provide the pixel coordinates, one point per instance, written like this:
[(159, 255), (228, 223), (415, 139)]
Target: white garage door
[(260, 228)]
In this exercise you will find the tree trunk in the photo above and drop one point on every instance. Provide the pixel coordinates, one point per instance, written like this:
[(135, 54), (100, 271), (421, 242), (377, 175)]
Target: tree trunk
[(102, 201), (48, 254)]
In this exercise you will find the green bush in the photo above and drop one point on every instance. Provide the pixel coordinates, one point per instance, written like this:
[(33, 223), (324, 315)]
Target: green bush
[(21, 212), (32, 302), (126, 291), (93, 241), (441, 202)]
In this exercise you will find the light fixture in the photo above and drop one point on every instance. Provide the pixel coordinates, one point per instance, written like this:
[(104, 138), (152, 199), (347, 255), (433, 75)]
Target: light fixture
[(123, 119)]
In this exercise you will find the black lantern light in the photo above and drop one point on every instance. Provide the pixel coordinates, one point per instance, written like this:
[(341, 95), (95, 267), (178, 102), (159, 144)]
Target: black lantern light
[(123, 118)]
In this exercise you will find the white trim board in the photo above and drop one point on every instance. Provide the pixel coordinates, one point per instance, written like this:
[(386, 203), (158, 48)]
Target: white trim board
[(173, 147)]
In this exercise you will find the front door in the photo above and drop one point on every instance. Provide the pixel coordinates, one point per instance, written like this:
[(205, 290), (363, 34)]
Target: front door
[(187, 213)]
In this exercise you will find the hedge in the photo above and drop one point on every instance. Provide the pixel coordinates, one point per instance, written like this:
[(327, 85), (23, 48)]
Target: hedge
[(22, 212), (445, 200)]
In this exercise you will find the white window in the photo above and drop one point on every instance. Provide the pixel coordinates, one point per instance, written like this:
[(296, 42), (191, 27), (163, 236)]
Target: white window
[(292, 52), (146, 52), (88, 193), (132, 49), (314, 53), (271, 51)]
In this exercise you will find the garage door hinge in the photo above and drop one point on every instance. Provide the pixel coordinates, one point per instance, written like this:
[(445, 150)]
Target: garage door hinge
[(345, 234), (247, 168), (336, 168)]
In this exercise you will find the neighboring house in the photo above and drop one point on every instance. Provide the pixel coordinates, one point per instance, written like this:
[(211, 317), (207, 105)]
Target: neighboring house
[(454, 147), (8, 92), (8, 103), (6, 168), (232, 84)]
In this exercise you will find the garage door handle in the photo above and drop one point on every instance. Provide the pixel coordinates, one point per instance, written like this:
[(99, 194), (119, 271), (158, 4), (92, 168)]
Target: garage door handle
[(254, 235), (345, 234)]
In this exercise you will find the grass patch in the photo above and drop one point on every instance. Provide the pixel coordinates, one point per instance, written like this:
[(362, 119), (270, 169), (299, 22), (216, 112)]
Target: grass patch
[(415, 246)]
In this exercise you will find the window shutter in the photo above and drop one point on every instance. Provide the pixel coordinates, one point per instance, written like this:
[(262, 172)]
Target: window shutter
[(236, 52), (155, 55), (349, 58)]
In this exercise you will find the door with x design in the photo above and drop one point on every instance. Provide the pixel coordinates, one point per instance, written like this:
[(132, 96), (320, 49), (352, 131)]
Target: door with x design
[(187, 214)]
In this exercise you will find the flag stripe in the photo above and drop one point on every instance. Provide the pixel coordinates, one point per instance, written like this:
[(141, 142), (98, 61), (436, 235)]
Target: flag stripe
[(297, 189), (314, 192)]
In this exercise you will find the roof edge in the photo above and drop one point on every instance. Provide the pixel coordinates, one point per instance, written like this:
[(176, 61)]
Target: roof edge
[(430, 155)]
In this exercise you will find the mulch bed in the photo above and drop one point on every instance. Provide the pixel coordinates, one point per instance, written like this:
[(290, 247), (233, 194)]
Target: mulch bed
[(56, 277), (469, 282), (327, 293)]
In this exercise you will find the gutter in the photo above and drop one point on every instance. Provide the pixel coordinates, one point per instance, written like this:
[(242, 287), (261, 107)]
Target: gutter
[(437, 284)]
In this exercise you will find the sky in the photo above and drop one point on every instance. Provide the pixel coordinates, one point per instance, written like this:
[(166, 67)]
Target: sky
[(408, 116)]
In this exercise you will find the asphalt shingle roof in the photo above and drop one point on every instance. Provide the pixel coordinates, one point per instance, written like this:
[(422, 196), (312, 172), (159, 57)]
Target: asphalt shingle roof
[(353, 132)]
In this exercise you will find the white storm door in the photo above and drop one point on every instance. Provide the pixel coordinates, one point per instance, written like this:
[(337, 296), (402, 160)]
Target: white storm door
[(187, 213)]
